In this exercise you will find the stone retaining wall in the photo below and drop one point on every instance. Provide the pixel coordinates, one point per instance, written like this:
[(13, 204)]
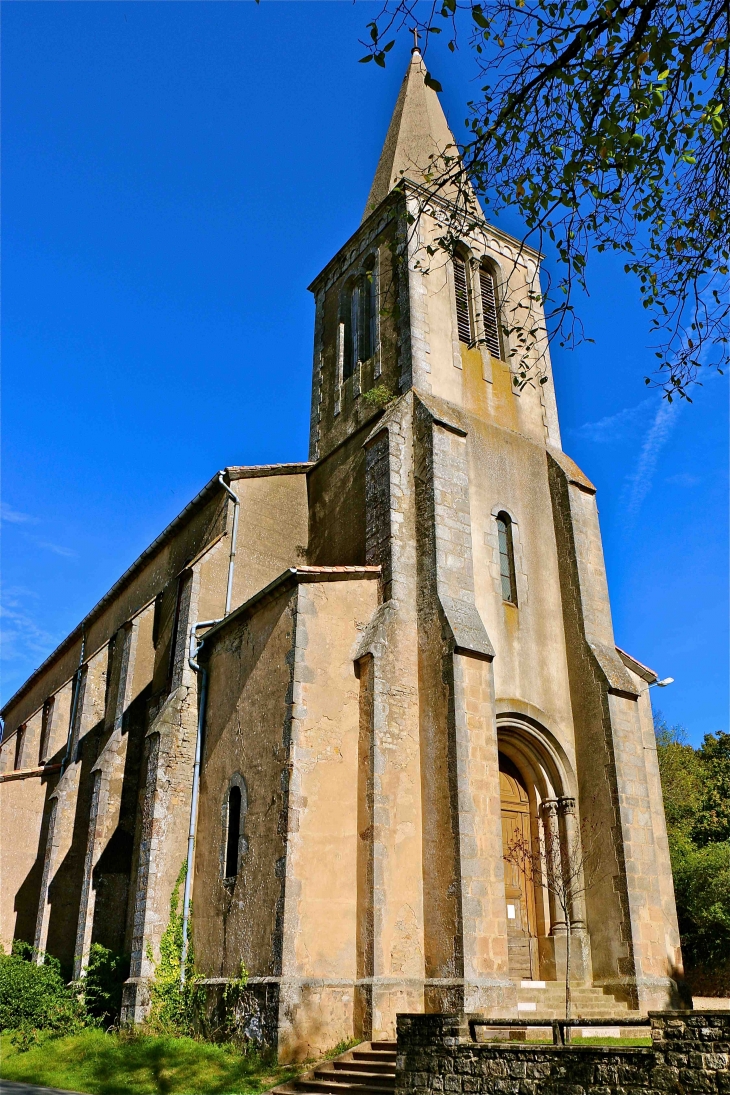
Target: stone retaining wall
[(690, 1053)]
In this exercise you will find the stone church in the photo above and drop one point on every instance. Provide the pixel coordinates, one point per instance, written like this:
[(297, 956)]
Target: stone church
[(342, 684)]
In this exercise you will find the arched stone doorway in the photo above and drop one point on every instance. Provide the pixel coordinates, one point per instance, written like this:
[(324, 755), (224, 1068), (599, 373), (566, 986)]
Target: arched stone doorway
[(538, 814)]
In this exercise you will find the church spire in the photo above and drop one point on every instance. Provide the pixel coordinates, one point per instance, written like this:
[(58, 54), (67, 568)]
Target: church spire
[(418, 131)]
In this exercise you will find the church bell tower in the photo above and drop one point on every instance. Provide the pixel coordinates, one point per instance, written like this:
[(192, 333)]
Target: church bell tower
[(497, 701)]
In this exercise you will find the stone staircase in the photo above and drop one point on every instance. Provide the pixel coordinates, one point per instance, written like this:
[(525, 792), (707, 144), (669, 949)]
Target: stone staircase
[(546, 1000), (368, 1069)]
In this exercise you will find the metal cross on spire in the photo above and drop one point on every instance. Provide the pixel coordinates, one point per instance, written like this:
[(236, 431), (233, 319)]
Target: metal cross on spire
[(415, 39)]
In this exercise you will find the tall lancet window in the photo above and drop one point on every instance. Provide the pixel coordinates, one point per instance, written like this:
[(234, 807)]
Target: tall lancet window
[(233, 835), (506, 558), (461, 291), (19, 746), (490, 311)]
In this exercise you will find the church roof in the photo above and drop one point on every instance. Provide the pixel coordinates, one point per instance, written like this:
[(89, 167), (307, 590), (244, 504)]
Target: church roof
[(201, 498), (418, 131)]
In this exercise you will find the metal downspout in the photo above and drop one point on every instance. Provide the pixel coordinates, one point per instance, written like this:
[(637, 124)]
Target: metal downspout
[(193, 650), (234, 537)]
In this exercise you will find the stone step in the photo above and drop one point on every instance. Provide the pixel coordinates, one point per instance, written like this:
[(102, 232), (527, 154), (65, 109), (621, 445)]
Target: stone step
[(367, 1069), (552, 988), (387, 1057), (343, 1076), (313, 1085), (556, 990), (537, 994), (598, 1005), (548, 1001), (356, 1065)]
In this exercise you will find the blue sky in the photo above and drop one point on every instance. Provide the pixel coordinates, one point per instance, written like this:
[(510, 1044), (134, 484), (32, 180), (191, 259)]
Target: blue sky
[(174, 176)]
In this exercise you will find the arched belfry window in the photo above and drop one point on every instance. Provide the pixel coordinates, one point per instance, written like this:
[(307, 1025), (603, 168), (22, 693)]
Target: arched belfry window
[(234, 843), (461, 292), (349, 325), (490, 311), (506, 558), (368, 310), (358, 319)]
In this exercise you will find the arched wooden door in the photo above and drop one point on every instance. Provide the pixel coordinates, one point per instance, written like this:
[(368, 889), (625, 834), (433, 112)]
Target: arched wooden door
[(518, 884)]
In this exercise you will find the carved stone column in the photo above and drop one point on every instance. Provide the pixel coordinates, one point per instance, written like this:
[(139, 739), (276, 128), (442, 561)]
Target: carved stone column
[(571, 843), (572, 860), (549, 811)]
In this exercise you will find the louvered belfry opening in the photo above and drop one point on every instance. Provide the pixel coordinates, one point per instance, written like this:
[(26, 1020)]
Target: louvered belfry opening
[(368, 311), (461, 291), (358, 319), (350, 320), (489, 312)]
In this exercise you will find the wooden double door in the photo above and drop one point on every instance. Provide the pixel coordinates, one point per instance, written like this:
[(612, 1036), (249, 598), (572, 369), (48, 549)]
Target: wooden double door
[(517, 838)]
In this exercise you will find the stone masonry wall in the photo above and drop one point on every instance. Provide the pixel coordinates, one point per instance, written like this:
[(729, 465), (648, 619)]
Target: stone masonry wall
[(690, 1054)]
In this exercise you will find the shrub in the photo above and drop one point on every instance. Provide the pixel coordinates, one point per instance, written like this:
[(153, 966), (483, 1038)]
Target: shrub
[(702, 885), (696, 789), (102, 984), (712, 824), (184, 1009), (34, 997), (379, 396), (175, 1007)]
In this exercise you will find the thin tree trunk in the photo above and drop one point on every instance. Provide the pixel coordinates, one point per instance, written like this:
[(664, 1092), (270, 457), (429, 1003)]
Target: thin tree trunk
[(567, 976)]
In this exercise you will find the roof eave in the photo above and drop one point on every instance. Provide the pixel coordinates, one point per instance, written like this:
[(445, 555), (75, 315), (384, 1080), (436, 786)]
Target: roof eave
[(290, 577), (637, 667), (199, 500)]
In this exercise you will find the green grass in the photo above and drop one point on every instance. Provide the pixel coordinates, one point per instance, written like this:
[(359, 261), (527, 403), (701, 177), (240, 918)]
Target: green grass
[(576, 1040), (609, 1042), (144, 1064), (122, 1064)]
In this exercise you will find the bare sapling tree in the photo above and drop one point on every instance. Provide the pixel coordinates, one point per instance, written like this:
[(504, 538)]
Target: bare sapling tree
[(566, 860)]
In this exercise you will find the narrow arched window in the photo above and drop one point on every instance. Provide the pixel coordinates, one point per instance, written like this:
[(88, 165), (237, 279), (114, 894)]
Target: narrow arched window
[(368, 311), (461, 291), (349, 324), (490, 311), (46, 730), (19, 746), (506, 558), (233, 836)]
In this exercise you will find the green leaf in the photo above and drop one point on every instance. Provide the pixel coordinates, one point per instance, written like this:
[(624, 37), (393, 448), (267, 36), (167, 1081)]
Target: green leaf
[(431, 82)]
